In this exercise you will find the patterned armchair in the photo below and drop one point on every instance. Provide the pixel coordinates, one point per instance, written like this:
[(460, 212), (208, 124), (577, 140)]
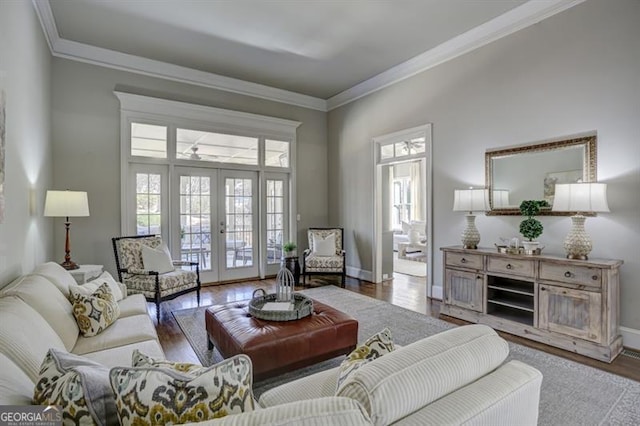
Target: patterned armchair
[(325, 254), (156, 287)]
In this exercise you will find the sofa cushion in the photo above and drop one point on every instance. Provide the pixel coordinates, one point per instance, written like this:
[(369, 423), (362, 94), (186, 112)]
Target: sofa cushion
[(78, 385), (374, 347), (139, 359), (411, 377), (135, 304), (43, 296), (94, 313), (16, 388), (318, 385), (137, 328), (59, 276), (312, 412), (160, 396), (25, 336), (120, 356)]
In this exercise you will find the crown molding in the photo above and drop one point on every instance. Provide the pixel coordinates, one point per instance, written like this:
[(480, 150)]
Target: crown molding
[(134, 103), (81, 52), (516, 19)]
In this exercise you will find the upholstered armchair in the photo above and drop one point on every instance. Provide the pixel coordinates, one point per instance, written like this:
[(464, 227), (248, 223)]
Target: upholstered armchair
[(161, 278), (325, 254)]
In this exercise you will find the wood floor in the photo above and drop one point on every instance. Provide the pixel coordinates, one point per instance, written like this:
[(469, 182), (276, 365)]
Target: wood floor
[(404, 290)]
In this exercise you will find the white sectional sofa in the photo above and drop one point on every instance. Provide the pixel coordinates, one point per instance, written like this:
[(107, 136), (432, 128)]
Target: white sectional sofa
[(35, 315), (456, 377)]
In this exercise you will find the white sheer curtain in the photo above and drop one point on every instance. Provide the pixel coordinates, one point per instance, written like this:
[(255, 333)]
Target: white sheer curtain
[(417, 191)]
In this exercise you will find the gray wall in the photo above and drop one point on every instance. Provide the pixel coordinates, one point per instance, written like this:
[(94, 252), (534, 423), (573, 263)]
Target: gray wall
[(575, 72), (25, 235), (86, 135)]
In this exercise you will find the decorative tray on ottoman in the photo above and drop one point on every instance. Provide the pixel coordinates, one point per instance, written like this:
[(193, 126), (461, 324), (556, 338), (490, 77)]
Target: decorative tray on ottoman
[(301, 307)]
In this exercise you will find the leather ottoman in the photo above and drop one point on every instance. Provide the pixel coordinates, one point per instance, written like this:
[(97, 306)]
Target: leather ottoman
[(279, 346)]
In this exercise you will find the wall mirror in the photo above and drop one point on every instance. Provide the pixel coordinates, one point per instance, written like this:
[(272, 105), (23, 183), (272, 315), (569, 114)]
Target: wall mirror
[(530, 172)]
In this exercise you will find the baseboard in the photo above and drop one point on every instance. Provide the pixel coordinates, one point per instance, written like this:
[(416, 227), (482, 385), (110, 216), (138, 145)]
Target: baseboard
[(359, 273), (630, 338)]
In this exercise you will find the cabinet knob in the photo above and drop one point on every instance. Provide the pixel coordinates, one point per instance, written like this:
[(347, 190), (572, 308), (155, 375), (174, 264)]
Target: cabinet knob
[(479, 277), (509, 266), (594, 277), (543, 288), (568, 274), (463, 260)]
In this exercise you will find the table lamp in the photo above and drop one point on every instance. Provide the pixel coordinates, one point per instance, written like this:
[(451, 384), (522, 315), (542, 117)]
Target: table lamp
[(66, 204), (471, 200), (580, 198), (500, 198)]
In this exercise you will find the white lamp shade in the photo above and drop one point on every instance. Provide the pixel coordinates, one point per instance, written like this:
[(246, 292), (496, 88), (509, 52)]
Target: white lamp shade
[(580, 197), (66, 204), (500, 198), (471, 200)]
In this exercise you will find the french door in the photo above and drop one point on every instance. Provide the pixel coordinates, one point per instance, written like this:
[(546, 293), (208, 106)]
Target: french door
[(218, 221)]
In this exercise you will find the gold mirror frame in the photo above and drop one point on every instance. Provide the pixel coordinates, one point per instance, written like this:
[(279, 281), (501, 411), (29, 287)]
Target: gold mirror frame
[(589, 167)]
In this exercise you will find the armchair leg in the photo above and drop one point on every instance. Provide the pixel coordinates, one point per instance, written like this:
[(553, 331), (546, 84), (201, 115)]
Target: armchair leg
[(342, 284), (158, 311)]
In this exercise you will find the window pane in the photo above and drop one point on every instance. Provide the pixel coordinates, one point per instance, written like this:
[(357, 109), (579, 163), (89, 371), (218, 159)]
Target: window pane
[(401, 149), (148, 140), (275, 221), (386, 152), (148, 204), (276, 153), (417, 145), (206, 146)]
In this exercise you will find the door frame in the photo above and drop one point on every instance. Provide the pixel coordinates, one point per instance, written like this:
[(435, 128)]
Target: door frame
[(378, 141)]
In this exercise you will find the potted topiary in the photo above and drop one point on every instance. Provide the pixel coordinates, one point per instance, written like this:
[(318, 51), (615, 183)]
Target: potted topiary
[(531, 228), (289, 248)]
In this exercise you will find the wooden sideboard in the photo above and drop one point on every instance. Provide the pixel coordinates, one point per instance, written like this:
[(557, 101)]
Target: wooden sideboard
[(570, 304)]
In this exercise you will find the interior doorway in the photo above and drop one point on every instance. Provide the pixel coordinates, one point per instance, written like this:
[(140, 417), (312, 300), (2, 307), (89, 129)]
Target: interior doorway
[(402, 206)]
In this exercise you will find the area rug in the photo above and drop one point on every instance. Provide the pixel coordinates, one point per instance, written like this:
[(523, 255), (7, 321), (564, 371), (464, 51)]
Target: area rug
[(409, 267), (572, 393)]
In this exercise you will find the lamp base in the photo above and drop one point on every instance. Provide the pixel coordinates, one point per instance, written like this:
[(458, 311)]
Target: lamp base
[(69, 265), (471, 235), (577, 244)]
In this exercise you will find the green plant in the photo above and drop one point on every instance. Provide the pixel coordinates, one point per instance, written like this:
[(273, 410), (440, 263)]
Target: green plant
[(289, 246), (531, 228)]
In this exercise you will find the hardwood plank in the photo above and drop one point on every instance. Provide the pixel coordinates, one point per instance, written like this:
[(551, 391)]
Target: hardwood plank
[(404, 290)]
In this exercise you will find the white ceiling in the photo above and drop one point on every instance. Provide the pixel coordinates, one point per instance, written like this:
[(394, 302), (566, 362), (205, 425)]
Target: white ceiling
[(318, 48)]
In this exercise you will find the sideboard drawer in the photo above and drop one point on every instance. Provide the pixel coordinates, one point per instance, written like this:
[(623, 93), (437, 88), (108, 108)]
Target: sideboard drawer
[(583, 275), (511, 266), (464, 260)]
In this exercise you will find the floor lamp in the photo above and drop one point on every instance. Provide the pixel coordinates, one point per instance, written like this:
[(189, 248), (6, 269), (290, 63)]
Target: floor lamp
[(66, 204)]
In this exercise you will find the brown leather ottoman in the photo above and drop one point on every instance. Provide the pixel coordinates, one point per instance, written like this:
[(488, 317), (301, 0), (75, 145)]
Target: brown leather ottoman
[(279, 346)]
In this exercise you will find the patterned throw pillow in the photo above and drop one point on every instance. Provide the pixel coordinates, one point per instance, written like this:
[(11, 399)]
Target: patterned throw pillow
[(95, 312), (138, 359), (375, 346), (78, 385), (149, 395)]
